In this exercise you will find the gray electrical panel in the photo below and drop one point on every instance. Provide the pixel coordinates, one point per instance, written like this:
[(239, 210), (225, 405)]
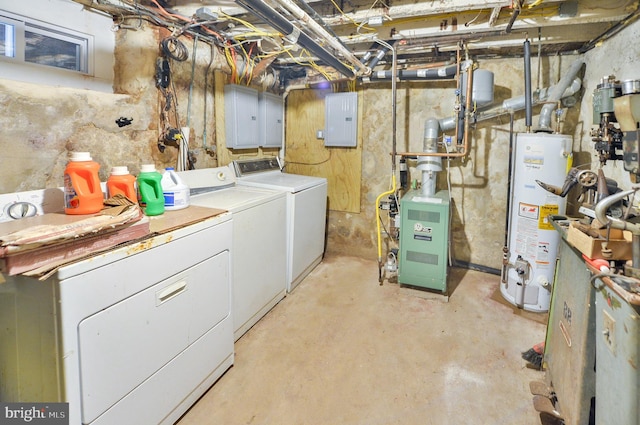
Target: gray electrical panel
[(341, 119), (241, 116), (270, 120)]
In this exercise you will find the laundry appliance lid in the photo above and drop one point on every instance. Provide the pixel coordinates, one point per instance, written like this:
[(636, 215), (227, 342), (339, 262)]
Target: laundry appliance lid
[(284, 181)]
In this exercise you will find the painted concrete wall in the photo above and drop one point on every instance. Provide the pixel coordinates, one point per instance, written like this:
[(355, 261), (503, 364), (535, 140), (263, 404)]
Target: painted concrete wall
[(477, 182), (41, 124)]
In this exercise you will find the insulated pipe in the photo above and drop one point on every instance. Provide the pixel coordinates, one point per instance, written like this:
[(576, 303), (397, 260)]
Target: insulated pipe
[(280, 23), (380, 53), (320, 31), (367, 55), (555, 95), (314, 15), (527, 84), (514, 16), (442, 73)]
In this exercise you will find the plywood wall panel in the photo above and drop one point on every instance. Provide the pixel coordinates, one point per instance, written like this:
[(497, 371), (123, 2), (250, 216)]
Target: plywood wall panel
[(306, 154)]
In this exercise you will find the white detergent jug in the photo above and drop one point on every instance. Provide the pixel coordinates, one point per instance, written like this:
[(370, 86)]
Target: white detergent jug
[(176, 193)]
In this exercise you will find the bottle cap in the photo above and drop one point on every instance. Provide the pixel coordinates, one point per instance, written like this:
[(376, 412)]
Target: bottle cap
[(119, 171), (169, 168), (80, 156), (147, 168)]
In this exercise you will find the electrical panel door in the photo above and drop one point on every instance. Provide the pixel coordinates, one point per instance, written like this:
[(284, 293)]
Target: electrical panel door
[(241, 116), (270, 120), (341, 119)]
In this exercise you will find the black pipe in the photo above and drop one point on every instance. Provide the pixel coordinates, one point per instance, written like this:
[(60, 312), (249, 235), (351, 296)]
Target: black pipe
[(368, 54), (382, 51), (527, 83), (460, 132), (280, 23), (476, 267), (445, 73), (514, 16), (314, 15)]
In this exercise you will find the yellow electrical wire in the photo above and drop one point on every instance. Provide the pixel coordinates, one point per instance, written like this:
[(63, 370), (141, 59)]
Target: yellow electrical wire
[(349, 17), (378, 224)]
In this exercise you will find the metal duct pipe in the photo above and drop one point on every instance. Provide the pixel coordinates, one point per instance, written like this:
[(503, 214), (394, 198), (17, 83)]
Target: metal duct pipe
[(514, 104), (279, 22), (442, 73), (320, 31), (555, 95), (527, 84), (430, 165)]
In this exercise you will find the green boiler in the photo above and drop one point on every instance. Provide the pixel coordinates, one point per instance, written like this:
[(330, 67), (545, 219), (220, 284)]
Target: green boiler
[(424, 240)]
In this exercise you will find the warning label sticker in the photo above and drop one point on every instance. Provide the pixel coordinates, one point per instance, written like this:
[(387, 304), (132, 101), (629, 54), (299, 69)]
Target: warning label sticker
[(545, 211), (528, 211)]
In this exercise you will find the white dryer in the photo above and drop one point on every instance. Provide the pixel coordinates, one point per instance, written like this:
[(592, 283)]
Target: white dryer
[(306, 211), (258, 254), (132, 335)]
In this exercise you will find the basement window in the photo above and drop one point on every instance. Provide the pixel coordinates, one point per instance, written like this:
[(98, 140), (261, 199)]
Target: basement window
[(34, 42)]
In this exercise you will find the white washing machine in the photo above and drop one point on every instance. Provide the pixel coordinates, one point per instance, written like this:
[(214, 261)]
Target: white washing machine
[(306, 211), (259, 279), (132, 335)]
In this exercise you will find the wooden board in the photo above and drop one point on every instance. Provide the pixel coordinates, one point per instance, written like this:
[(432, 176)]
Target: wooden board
[(48, 257), (307, 155)]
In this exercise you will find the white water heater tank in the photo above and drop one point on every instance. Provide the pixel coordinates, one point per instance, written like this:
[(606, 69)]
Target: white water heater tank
[(533, 242)]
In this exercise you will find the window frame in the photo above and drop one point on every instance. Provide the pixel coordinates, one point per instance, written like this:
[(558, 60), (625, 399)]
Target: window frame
[(22, 25)]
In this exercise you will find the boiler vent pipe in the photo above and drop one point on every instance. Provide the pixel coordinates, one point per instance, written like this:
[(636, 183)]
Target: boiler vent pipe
[(513, 104), (555, 95), (280, 23), (527, 84)]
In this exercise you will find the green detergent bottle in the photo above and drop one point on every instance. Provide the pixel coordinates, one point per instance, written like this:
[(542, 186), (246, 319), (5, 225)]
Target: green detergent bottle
[(150, 194)]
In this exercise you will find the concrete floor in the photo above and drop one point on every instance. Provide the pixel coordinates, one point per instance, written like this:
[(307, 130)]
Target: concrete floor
[(343, 350)]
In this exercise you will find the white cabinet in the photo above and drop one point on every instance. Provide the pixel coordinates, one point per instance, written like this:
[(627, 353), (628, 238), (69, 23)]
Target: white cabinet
[(270, 120), (241, 116)]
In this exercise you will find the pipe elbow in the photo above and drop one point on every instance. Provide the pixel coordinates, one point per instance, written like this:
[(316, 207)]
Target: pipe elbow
[(602, 207)]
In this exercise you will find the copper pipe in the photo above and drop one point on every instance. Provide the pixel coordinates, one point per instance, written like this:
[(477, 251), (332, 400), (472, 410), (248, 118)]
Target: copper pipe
[(459, 88), (465, 145)]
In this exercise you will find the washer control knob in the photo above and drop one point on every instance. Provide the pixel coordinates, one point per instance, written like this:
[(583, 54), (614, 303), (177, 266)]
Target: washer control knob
[(21, 210), (222, 176)]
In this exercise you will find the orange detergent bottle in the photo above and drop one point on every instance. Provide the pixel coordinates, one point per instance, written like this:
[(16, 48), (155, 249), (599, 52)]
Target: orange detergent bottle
[(82, 191), (121, 182)]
